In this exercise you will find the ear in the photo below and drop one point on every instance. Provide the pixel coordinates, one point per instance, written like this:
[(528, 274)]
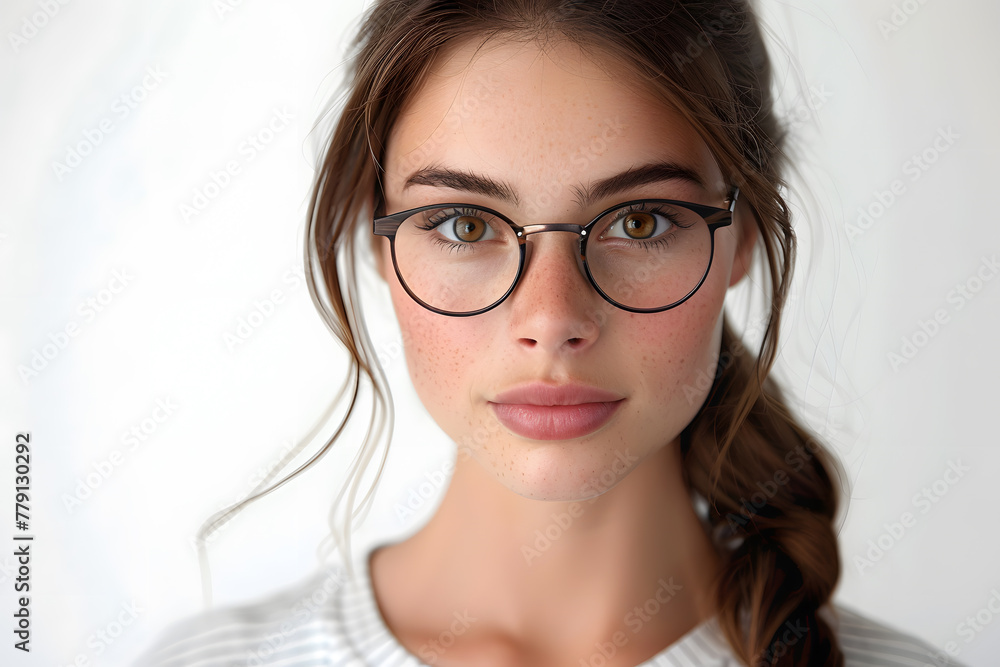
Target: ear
[(747, 231)]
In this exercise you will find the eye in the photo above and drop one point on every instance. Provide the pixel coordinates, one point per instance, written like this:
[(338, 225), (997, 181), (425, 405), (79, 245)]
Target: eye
[(469, 228), (464, 226), (637, 223)]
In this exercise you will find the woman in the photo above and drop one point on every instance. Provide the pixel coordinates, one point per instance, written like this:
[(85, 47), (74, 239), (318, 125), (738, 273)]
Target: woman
[(630, 487)]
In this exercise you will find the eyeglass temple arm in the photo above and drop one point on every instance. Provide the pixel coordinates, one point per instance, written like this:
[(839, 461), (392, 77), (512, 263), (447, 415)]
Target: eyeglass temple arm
[(722, 217)]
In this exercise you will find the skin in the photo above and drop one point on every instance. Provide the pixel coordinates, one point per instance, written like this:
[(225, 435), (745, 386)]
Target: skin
[(635, 525)]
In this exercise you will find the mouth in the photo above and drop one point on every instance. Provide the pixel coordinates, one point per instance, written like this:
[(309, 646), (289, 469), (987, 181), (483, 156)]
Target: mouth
[(543, 412)]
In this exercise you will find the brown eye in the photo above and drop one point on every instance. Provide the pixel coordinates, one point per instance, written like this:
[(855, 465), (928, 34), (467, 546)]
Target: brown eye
[(639, 225), (469, 228)]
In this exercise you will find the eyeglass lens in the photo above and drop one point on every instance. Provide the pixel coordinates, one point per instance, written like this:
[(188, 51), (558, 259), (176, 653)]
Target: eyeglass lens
[(645, 256)]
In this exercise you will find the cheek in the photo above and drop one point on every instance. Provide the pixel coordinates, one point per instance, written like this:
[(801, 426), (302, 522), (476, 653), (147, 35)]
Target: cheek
[(678, 367), (441, 355)]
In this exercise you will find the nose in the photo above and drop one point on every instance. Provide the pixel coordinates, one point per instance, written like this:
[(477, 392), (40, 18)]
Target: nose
[(554, 308)]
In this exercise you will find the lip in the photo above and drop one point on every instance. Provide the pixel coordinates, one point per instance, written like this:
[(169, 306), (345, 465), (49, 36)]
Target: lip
[(545, 412)]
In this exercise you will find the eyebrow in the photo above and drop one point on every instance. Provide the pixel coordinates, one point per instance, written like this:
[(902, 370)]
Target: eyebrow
[(654, 172), (441, 177)]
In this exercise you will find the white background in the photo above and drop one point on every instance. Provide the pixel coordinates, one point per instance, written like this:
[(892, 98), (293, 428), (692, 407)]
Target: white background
[(861, 101)]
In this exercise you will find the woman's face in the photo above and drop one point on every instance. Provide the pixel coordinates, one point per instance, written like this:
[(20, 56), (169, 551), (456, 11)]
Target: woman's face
[(538, 130)]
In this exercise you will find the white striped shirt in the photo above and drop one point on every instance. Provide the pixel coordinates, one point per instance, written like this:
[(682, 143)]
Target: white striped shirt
[(332, 620)]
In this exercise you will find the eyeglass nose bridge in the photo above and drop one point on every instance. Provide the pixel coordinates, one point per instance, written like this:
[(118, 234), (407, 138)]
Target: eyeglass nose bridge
[(554, 227), (581, 258)]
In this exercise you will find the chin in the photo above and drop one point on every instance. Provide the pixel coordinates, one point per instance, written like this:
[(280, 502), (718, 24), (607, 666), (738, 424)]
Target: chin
[(560, 471)]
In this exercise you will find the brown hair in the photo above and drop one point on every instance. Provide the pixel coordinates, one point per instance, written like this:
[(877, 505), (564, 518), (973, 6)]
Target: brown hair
[(769, 485)]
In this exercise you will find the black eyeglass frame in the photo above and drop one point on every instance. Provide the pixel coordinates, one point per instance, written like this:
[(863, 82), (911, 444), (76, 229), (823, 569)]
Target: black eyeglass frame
[(713, 216)]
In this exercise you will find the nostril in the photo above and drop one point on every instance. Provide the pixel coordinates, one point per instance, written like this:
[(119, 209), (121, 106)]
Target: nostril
[(584, 331)]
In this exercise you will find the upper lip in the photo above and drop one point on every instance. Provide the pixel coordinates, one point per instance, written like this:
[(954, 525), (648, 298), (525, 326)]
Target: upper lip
[(545, 394)]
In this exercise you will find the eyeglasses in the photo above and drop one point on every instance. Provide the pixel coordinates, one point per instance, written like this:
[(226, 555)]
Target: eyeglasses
[(643, 256)]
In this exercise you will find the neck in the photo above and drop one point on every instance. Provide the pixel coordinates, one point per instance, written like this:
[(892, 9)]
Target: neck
[(632, 563)]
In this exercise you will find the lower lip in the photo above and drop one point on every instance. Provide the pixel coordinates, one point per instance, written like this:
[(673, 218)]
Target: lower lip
[(554, 422)]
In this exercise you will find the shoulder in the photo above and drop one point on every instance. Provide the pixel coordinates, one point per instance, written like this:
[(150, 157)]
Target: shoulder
[(864, 642), (301, 625), (330, 620), (867, 641)]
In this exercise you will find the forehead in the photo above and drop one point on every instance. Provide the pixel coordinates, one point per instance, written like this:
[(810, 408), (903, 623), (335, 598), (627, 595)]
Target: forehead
[(535, 115)]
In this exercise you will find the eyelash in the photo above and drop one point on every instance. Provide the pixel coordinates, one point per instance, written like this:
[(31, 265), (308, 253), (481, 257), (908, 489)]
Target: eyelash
[(458, 247), (443, 216), (446, 214), (662, 241)]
